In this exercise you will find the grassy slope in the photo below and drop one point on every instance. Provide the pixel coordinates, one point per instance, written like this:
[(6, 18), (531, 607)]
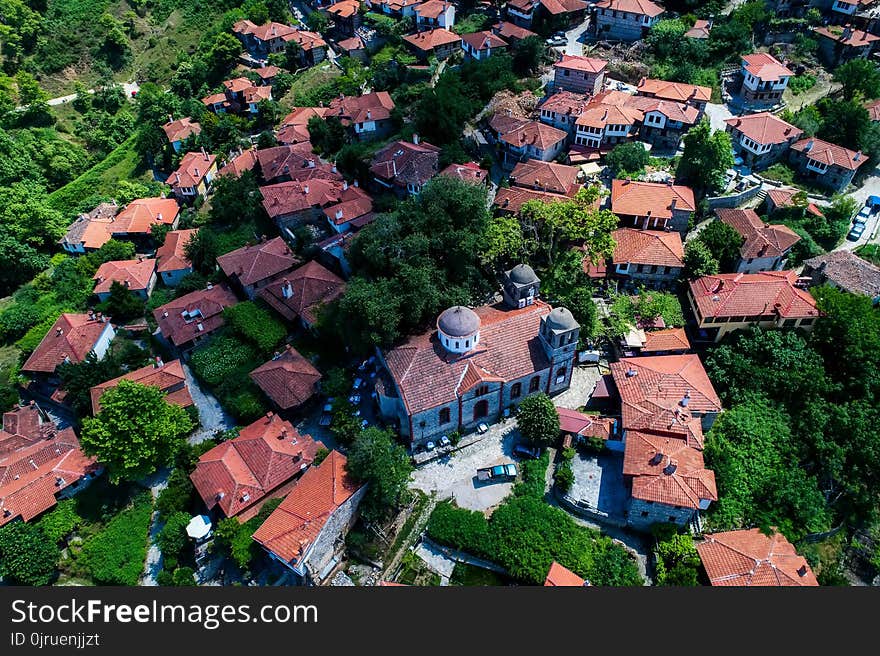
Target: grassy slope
[(307, 80)]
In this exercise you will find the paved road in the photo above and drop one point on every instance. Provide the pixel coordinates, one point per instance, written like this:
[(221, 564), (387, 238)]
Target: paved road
[(127, 87), (717, 115), (211, 414)]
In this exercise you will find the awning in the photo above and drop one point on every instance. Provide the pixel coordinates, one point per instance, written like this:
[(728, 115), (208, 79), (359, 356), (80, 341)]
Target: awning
[(198, 527), (873, 201)]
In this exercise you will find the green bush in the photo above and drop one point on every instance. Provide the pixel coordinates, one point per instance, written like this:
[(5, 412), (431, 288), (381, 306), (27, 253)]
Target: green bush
[(256, 325), (459, 528), (172, 539), (58, 523), (533, 477), (116, 555), (564, 476), (800, 83), (177, 496), (27, 556), (213, 362)]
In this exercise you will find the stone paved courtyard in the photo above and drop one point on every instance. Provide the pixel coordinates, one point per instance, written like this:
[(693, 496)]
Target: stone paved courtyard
[(583, 380), (598, 480)]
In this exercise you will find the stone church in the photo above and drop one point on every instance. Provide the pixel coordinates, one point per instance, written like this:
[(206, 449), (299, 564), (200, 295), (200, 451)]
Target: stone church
[(478, 362)]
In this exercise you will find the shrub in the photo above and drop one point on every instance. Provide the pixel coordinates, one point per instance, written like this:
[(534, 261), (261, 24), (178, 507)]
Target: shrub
[(172, 539), (564, 476), (116, 555), (213, 362), (177, 496), (58, 523), (537, 419), (320, 454), (255, 325), (459, 528), (534, 474), (27, 555), (183, 576)]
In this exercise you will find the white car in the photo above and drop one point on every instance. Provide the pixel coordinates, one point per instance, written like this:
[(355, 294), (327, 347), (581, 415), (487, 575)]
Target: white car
[(556, 41), (863, 215)]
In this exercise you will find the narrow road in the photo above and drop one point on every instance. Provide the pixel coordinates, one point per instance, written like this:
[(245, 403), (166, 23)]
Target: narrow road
[(127, 87)]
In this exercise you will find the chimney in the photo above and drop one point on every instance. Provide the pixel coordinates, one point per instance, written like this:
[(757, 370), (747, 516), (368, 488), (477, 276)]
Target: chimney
[(59, 332), (356, 183), (196, 171), (685, 399), (670, 467), (170, 119), (338, 214), (158, 363), (286, 289), (333, 168), (631, 372), (282, 435), (204, 153), (305, 189), (344, 185), (200, 327), (270, 416), (415, 139), (369, 115), (210, 285), (857, 156), (394, 166), (809, 146), (718, 287), (802, 570), (672, 204)]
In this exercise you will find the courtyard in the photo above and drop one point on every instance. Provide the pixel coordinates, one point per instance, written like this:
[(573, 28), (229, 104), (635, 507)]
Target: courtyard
[(598, 482)]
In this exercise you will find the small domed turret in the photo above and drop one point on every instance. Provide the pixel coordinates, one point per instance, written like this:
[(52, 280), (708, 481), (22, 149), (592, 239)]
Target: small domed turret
[(458, 329)]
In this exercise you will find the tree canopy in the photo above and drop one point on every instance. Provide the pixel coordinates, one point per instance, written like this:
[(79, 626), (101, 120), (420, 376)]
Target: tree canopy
[(377, 460), (538, 420), (707, 156), (27, 556)]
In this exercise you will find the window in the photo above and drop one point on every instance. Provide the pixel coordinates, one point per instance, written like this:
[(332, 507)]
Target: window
[(534, 384), (644, 513), (482, 390), (481, 409), (789, 323), (516, 390), (445, 416), (672, 519), (566, 72), (560, 374), (806, 322)]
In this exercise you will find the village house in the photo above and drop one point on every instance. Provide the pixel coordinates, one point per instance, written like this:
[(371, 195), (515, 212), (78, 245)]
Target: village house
[(137, 276), (394, 8), (268, 75), (288, 379), (353, 211), (511, 32), (558, 13), (844, 270), (841, 44), (435, 13), (285, 163), (826, 164), (562, 110), (689, 94), (192, 178), (765, 247), (262, 40), (467, 172), (294, 203), (509, 200), (584, 75), (135, 221), (625, 20), (607, 120), (749, 557), (307, 531), (180, 130), (482, 45), (842, 11), (354, 47), (239, 95), (761, 139), (172, 263), (91, 230), (666, 341), (577, 427), (187, 320), (70, 339), (346, 16), (264, 462), (559, 576), (522, 139), (653, 205), (732, 301), (39, 464), (300, 294), (252, 267), (651, 257), (663, 122), (367, 116), (405, 167), (166, 377), (546, 176), (873, 107), (479, 364), (764, 78), (439, 43), (699, 30), (244, 160), (786, 197)]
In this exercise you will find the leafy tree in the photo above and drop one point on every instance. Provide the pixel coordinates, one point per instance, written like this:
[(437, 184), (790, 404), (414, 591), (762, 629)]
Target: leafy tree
[(678, 562), (177, 496), (567, 284), (122, 304), (136, 431), (858, 76), (564, 476), (707, 156), (335, 383), (27, 556), (627, 158), (698, 260), (115, 555), (538, 420), (183, 576), (377, 460), (172, 539), (327, 135), (236, 199), (318, 21), (844, 122), (723, 242), (504, 244), (77, 379), (528, 55), (256, 325), (202, 250)]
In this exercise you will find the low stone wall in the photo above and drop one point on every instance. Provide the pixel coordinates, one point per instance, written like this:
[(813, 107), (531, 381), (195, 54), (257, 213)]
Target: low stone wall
[(734, 200), (579, 508)]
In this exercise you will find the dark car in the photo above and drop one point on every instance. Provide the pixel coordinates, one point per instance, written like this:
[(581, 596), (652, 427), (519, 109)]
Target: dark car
[(526, 451)]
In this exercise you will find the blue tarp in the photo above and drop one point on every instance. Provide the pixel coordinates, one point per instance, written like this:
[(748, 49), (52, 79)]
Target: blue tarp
[(874, 201)]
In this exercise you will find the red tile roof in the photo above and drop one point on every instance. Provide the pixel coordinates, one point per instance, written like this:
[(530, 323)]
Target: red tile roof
[(847, 36), (749, 558), (192, 170), (511, 199), (668, 339), (241, 472), (559, 576), (675, 91), (640, 7), (765, 67), (354, 203), (204, 308), (293, 196), (673, 111), (483, 40), (653, 247), (468, 172), (767, 294), (631, 198), (168, 377), (375, 106), (305, 39), (265, 32), (404, 163), (830, 154), (509, 348), (556, 7), (237, 85), (510, 31), (93, 229), (290, 161), (578, 423), (310, 286), (430, 39), (181, 129), (700, 30), (517, 132), (873, 108), (244, 161), (848, 271), (71, 336), (253, 264), (295, 525), (764, 128), (565, 103), (257, 94), (288, 379), (599, 113), (344, 8), (37, 461), (579, 63), (139, 215), (761, 239), (666, 470), (172, 254), (302, 115), (267, 72), (653, 388), (134, 274), (352, 43), (432, 8), (784, 198), (546, 176)]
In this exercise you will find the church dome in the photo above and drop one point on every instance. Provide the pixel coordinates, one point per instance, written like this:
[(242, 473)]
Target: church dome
[(458, 321), (560, 319), (523, 274)]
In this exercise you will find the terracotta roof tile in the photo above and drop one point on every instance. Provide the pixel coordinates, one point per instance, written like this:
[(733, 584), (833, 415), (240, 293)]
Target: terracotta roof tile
[(93, 229), (578, 423), (292, 162), (295, 525), (652, 247), (193, 169), (404, 163), (565, 103), (375, 106), (873, 108), (240, 472), (244, 161), (310, 287), (354, 203), (753, 294), (483, 40), (286, 198), (203, 308), (305, 39), (640, 7), (168, 377), (673, 111), (749, 558), (847, 36), (517, 131), (848, 271), (830, 154), (764, 128), (344, 8), (511, 199), (765, 67), (510, 31), (783, 197), (288, 379), (430, 39), (556, 7), (631, 198), (267, 72), (139, 215), (675, 91), (761, 240), (172, 253), (546, 176), (579, 63), (668, 339), (265, 32), (700, 30), (181, 129), (71, 336), (253, 264), (468, 172), (559, 576), (134, 274)]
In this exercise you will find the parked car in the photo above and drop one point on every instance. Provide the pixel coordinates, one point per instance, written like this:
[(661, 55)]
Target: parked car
[(863, 215), (527, 451), (556, 41), (497, 473), (856, 233)]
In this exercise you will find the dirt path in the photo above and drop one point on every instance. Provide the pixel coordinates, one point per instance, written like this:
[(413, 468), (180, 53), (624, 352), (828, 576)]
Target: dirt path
[(416, 530)]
